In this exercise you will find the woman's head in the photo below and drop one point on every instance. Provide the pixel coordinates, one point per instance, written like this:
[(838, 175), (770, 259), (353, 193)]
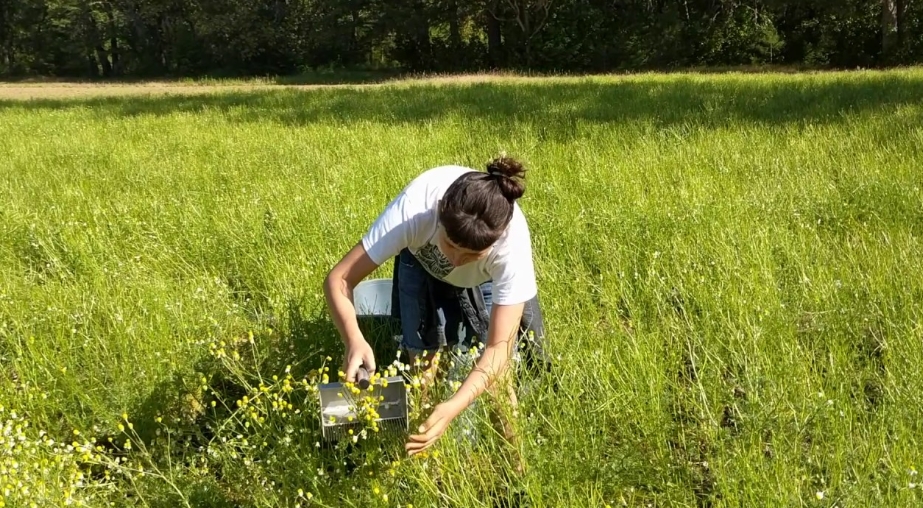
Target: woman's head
[(477, 208)]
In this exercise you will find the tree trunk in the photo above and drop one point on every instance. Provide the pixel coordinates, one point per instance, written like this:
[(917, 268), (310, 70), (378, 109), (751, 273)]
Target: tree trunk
[(279, 11), (6, 28), (426, 44), (94, 42), (8, 59), (143, 46), (103, 58), (113, 42), (527, 31), (166, 40), (418, 38), (888, 28), (901, 22), (454, 31), (10, 56), (494, 36), (92, 64), (354, 50)]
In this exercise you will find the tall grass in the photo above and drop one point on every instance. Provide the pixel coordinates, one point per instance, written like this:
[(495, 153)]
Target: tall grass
[(730, 270)]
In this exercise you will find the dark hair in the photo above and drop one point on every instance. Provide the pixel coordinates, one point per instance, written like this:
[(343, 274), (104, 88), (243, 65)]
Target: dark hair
[(477, 207)]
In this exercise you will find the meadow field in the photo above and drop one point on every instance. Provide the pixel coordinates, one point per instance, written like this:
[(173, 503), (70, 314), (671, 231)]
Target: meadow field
[(730, 266)]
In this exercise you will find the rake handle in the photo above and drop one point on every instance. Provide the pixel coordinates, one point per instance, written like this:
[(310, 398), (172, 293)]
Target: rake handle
[(362, 377)]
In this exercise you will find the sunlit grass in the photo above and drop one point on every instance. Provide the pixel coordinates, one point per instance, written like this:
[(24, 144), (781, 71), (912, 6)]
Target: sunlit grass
[(729, 268)]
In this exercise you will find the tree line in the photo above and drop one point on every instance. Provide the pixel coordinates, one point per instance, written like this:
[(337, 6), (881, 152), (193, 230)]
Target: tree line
[(147, 38)]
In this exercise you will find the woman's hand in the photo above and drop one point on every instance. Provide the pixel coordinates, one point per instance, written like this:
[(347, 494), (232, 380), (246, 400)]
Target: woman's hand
[(358, 353), (433, 428)]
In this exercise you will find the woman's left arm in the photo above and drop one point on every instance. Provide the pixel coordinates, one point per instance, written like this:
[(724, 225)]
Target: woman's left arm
[(501, 340), (493, 363)]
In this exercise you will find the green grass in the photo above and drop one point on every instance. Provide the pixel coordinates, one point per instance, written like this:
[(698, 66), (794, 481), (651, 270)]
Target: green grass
[(730, 269)]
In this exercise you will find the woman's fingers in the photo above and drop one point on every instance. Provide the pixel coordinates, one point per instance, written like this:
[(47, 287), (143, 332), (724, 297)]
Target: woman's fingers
[(354, 362), (429, 432), (358, 354), (416, 447), (369, 360), (419, 442)]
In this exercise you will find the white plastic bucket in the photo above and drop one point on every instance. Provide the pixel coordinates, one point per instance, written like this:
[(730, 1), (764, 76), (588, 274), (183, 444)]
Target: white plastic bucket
[(372, 298)]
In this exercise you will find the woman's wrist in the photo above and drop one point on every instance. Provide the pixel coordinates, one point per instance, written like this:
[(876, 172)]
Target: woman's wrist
[(354, 340), (477, 382), (457, 404)]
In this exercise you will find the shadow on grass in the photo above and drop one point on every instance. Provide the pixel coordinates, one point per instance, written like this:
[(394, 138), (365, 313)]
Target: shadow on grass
[(552, 107), (303, 343), (304, 339), (340, 78)]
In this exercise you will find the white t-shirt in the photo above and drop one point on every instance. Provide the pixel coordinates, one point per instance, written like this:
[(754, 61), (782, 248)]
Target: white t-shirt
[(409, 221)]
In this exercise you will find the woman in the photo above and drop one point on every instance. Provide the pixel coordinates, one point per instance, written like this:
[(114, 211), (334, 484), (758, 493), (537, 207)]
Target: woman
[(452, 227)]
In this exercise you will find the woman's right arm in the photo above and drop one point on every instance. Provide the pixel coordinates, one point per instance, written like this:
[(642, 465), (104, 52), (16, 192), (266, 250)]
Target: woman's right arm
[(338, 289)]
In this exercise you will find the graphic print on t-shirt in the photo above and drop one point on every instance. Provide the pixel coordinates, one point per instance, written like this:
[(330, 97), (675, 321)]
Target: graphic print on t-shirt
[(434, 261)]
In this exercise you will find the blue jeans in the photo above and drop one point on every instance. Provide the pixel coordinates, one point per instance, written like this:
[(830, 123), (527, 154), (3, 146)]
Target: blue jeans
[(419, 296)]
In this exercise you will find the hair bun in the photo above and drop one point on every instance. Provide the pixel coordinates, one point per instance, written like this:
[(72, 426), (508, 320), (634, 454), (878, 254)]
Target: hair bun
[(509, 175)]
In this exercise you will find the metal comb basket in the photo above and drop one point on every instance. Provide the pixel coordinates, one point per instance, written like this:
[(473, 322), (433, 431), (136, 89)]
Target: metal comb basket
[(338, 406)]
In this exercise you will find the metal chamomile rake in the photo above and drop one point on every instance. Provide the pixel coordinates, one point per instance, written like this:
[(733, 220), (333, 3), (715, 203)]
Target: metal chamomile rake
[(338, 403), (338, 406)]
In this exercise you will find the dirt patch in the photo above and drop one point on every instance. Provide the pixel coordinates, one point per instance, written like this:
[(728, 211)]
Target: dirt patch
[(77, 90), (81, 90), (63, 89)]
